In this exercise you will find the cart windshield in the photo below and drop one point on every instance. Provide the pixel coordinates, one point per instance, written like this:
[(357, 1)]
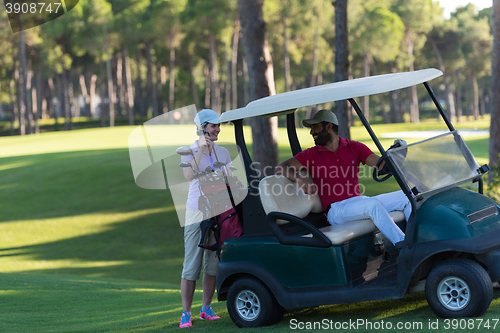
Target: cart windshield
[(435, 164)]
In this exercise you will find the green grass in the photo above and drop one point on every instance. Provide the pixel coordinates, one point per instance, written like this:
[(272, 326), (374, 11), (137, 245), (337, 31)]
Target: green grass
[(84, 249)]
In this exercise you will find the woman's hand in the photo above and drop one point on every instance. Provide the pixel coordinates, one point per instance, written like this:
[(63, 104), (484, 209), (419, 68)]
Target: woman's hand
[(205, 142)]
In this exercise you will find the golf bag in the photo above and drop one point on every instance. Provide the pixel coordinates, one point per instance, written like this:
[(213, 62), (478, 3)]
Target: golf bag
[(221, 215)]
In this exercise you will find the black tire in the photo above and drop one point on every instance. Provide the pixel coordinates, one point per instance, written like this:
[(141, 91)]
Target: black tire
[(251, 304), (458, 288)]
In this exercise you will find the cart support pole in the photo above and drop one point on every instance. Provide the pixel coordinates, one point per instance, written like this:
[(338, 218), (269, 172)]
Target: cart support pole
[(247, 160), (292, 134), (410, 225)]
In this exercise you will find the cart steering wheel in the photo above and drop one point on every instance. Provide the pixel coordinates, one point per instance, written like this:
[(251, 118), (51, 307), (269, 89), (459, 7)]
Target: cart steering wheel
[(385, 170)]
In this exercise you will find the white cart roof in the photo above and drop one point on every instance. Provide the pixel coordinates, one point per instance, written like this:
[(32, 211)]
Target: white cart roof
[(289, 101)]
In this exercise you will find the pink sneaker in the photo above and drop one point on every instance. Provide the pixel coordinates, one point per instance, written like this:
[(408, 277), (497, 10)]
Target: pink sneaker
[(207, 313), (185, 319)]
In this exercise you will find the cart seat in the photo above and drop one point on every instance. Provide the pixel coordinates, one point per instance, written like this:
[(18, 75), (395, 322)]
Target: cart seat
[(279, 194)]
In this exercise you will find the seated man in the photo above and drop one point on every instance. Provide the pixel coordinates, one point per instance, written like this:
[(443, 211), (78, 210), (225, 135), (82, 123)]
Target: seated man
[(334, 165)]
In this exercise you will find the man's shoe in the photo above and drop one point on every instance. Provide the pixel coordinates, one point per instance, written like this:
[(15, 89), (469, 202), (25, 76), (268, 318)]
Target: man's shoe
[(207, 313), (185, 319)]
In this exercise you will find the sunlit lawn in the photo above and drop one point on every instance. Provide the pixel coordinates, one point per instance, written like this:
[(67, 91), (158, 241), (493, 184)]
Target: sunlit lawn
[(69, 206)]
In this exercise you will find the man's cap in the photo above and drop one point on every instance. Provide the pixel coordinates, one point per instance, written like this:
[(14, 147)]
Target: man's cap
[(321, 115), (206, 116)]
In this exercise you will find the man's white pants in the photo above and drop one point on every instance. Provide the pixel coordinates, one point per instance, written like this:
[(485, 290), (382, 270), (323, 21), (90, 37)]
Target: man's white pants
[(374, 208)]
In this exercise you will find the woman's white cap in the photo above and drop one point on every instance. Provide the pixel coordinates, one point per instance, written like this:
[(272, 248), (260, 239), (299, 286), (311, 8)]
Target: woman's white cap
[(206, 116)]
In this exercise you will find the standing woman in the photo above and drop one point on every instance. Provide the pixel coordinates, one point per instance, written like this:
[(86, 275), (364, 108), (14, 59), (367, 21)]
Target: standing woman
[(203, 150)]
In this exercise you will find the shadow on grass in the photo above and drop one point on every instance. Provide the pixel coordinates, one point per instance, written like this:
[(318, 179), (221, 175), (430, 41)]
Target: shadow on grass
[(81, 185), (147, 248), (70, 184)]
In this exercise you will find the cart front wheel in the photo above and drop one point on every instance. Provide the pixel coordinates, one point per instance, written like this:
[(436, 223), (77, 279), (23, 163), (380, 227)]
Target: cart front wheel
[(458, 288), (250, 304)]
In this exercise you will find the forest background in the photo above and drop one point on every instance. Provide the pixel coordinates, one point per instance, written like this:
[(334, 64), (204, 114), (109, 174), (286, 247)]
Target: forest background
[(131, 60)]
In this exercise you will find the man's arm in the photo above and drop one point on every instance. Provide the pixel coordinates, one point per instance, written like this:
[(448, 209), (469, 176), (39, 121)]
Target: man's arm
[(290, 169), (372, 161)]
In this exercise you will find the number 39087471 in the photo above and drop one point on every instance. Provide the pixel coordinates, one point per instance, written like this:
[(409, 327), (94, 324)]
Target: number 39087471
[(32, 7)]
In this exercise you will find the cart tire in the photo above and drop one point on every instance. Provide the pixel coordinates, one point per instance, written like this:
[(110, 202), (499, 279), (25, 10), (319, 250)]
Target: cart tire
[(458, 288), (251, 304)]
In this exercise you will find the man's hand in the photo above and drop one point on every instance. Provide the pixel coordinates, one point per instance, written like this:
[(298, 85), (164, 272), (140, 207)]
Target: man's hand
[(307, 185)]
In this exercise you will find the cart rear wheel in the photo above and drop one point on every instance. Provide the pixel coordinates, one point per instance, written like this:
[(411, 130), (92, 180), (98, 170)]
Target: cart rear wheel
[(251, 304), (458, 288)]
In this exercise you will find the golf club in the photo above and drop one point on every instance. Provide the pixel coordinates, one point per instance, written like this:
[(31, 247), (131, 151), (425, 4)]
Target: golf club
[(184, 151), (186, 165)]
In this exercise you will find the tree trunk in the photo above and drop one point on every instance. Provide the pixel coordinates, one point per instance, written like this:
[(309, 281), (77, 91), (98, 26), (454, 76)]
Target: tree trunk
[(111, 96), (39, 98), (161, 80), (128, 81), (22, 83), (234, 62), (311, 109), (494, 148), (44, 108), (83, 89), (65, 100), (385, 118), (93, 84), (414, 112), (450, 103), (214, 78), (119, 85), (13, 104), (29, 102), (206, 71), (475, 96), (286, 57), (246, 93), (71, 104), (138, 87), (151, 86), (227, 94), (52, 109), (366, 73), (459, 95), (102, 93), (342, 64), (482, 99), (34, 101), (261, 84), (194, 88), (60, 96), (468, 108), (314, 73), (393, 95), (171, 77), (42, 93)]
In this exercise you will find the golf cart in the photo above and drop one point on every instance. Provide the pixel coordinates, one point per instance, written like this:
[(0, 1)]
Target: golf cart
[(290, 257)]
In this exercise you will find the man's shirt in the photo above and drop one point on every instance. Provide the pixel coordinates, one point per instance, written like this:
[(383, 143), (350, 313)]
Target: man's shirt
[(335, 173)]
